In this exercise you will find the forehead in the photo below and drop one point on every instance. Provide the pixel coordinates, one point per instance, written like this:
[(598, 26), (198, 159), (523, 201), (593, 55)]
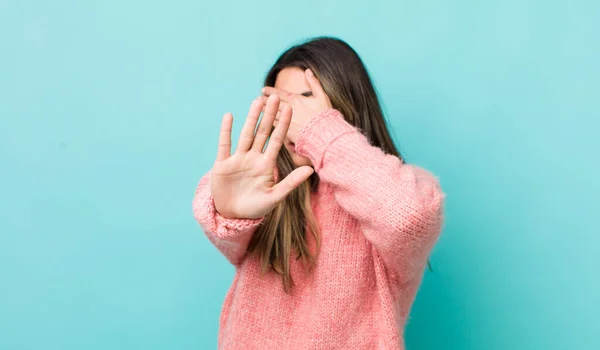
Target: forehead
[(292, 80)]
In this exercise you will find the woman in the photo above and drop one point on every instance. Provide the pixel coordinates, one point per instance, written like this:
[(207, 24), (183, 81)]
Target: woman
[(328, 228)]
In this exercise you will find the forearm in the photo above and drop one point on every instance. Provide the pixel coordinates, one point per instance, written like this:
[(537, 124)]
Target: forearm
[(399, 206), (229, 236)]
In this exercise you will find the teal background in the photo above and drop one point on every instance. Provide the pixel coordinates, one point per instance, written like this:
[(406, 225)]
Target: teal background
[(110, 113)]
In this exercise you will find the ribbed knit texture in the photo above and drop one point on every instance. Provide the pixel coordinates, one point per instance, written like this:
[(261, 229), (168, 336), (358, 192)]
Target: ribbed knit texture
[(379, 219)]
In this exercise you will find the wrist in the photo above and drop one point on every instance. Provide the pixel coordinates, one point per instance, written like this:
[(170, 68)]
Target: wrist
[(319, 133)]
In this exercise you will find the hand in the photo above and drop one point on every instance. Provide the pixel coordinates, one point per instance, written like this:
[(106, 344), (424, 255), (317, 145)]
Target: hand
[(304, 108), (243, 184)]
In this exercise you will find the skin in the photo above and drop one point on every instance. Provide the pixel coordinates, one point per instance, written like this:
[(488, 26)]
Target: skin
[(242, 184), (303, 92)]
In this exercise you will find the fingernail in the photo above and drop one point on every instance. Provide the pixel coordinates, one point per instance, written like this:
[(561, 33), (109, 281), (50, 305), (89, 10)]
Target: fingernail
[(309, 72)]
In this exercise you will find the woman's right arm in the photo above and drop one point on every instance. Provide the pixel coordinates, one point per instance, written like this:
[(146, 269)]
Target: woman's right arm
[(229, 236), (243, 184)]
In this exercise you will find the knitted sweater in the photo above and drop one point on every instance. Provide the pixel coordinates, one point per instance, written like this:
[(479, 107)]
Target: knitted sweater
[(379, 219)]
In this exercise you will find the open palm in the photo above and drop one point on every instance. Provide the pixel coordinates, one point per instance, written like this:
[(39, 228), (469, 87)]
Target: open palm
[(243, 184)]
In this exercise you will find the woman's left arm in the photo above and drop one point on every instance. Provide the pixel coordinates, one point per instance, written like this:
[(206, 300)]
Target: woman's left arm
[(399, 206)]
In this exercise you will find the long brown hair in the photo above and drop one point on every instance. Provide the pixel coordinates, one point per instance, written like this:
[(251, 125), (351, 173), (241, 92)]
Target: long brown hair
[(350, 89)]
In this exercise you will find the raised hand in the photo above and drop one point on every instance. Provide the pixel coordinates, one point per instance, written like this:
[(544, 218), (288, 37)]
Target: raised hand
[(243, 184)]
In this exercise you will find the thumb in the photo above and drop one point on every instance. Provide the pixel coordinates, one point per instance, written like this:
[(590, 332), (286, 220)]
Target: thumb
[(314, 84), (293, 180)]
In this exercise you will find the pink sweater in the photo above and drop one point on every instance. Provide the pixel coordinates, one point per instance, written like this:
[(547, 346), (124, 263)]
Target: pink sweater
[(379, 219)]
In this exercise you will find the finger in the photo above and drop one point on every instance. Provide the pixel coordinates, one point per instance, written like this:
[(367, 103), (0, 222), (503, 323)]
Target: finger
[(293, 180), (281, 105), (279, 134), (277, 117), (283, 95), (247, 135), (266, 124), (224, 150), (264, 99), (269, 90), (314, 84)]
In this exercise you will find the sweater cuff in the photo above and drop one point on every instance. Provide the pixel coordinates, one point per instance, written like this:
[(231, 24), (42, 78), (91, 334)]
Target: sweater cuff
[(225, 227), (319, 133)]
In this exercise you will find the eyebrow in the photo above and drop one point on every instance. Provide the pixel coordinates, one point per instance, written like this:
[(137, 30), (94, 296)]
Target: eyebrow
[(307, 94)]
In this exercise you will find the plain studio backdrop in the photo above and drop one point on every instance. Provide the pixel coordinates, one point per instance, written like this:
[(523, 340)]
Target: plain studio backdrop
[(109, 116)]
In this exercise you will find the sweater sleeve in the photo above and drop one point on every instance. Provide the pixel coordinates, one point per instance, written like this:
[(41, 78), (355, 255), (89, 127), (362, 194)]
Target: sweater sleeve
[(229, 236), (398, 206)]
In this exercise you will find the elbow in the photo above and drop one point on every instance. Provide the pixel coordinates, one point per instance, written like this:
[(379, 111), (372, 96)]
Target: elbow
[(414, 225), (420, 214), (432, 201)]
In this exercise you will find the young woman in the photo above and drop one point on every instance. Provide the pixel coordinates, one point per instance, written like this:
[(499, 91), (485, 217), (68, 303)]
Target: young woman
[(328, 229)]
